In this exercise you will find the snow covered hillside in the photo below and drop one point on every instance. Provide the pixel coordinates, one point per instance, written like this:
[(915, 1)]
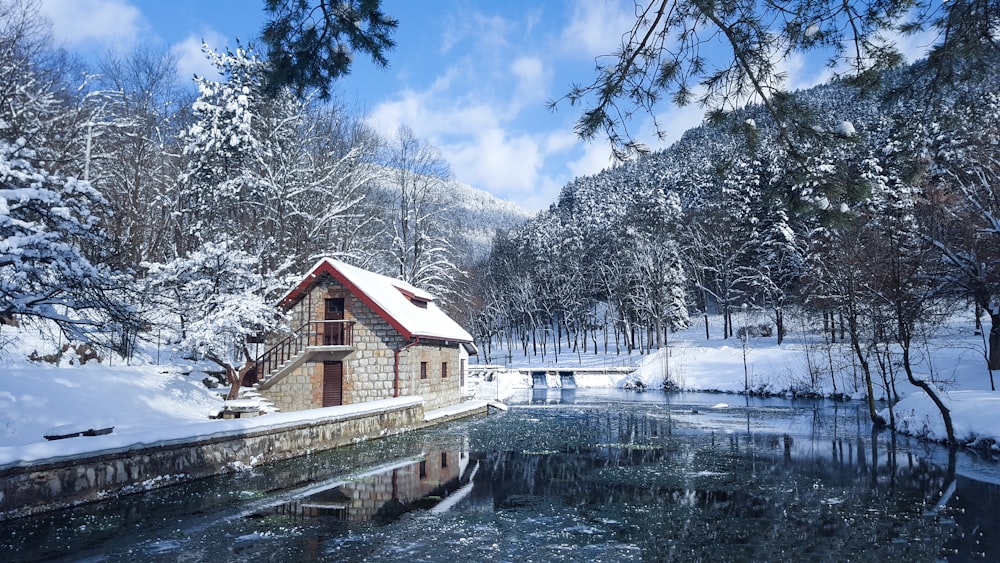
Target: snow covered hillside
[(469, 215)]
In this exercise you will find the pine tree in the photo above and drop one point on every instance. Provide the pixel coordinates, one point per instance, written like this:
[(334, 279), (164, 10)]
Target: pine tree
[(310, 45)]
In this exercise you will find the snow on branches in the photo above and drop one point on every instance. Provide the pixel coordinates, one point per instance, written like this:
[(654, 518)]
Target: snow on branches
[(211, 301), (43, 220), (48, 221)]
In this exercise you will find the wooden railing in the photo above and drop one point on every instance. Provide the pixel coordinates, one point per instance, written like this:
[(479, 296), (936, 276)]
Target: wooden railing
[(313, 333)]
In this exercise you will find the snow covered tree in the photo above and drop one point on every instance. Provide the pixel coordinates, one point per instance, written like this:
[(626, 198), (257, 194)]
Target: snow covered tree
[(555, 250), (774, 272), (210, 302), (659, 277), (44, 221), (49, 232), (334, 201), (234, 144), (963, 218), (131, 155), (721, 233), (903, 277), (269, 173)]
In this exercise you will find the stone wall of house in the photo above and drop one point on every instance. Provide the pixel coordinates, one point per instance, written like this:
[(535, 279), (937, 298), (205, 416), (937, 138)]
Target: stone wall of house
[(297, 390), (369, 371), (37, 487), (438, 391)]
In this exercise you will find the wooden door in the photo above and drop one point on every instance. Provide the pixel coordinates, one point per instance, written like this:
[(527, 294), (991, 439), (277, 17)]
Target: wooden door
[(333, 384), (333, 333)]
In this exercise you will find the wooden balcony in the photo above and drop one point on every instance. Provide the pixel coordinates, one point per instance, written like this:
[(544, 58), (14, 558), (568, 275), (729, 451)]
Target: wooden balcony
[(324, 334)]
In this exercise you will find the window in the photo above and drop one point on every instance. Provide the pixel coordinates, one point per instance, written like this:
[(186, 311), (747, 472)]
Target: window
[(423, 370), (444, 370), (444, 459), (423, 469)]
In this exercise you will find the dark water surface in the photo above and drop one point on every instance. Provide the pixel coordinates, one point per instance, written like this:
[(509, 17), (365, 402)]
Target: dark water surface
[(572, 476)]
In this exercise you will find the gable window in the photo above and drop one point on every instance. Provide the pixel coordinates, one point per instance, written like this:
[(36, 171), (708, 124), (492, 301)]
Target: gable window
[(444, 370), (423, 370)]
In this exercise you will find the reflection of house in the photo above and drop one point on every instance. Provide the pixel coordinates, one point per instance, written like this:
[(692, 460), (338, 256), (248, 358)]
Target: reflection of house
[(386, 493), (360, 337)]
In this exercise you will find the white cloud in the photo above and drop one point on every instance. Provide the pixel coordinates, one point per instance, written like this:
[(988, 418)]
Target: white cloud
[(531, 79), (191, 60), (561, 139), (496, 162), (432, 115), (596, 28), (108, 24), (676, 122), (596, 157), (481, 144), (486, 31), (804, 72), (915, 46)]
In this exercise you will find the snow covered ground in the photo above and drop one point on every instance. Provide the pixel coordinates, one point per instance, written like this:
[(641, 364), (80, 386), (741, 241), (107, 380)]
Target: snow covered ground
[(147, 401)]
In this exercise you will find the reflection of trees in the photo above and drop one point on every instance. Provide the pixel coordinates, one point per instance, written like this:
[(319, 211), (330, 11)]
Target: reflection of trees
[(737, 496)]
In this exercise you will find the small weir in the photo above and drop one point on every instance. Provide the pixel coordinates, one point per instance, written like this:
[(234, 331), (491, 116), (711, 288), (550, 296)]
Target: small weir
[(547, 378), (566, 378), (543, 379)]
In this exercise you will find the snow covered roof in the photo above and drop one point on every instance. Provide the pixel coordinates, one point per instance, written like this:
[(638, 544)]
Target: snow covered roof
[(410, 310)]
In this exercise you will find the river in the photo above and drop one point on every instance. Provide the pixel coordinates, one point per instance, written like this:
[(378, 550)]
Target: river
[(569, 476)]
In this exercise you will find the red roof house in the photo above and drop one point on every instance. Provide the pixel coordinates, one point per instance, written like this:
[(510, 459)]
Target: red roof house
[(360, 336)]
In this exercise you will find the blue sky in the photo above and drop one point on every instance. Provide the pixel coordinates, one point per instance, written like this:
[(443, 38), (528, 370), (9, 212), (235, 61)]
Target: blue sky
[(473, 77)]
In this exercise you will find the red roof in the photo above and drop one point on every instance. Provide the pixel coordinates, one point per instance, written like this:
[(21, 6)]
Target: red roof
[(391, 299)]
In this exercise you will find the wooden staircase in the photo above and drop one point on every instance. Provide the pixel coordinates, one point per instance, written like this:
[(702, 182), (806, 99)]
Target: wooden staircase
[(304, 343)]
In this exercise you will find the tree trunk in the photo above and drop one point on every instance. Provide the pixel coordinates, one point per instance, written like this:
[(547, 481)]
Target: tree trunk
[(929, 389), (779, 324), (235, 378), (866, 370), (994, 352)]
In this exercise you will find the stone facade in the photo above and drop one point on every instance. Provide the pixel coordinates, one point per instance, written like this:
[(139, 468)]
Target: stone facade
[(369, 369)]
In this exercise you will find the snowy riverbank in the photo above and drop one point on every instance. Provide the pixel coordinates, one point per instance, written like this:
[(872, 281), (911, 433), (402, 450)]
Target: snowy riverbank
[(143, 400), (805, 364)]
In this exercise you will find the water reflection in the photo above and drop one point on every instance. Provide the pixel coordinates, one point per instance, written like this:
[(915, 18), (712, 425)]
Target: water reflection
[(382, 494), (570, 477), (553, 396)]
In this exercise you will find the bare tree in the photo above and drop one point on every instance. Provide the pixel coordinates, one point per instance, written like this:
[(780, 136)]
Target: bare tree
[(128, 152), (419, 251)]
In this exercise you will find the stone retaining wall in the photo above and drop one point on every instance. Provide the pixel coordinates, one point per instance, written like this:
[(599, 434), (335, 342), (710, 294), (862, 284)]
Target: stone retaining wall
[(54, 484)]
